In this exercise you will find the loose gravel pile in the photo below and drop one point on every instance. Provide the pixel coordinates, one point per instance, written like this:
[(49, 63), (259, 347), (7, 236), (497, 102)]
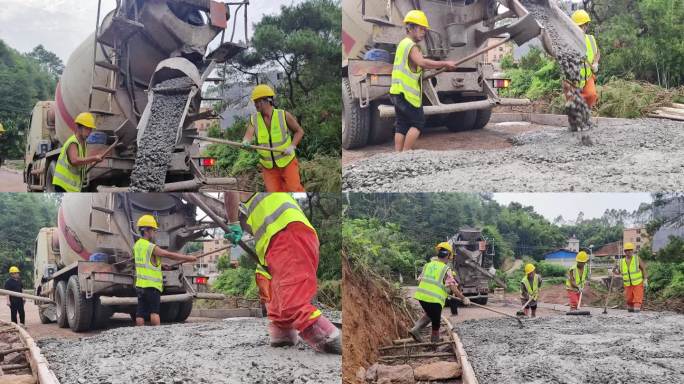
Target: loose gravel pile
[(600, 349), (233, 351)]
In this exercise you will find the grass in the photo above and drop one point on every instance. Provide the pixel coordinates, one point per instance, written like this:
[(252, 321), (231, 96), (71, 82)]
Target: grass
[(632, 99)]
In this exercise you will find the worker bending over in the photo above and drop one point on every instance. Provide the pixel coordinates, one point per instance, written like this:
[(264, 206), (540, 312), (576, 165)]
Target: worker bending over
[(576, 279), (70, 170), (16, 304), (287, 250), (529, 290), (633, 271), (149, 280), (272, 127), (436, 280)]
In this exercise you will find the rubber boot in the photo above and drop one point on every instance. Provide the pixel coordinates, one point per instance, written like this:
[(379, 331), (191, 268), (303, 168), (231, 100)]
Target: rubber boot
[(630, 309), (281, 337), (420, 324), (434, 338), (323, 336)]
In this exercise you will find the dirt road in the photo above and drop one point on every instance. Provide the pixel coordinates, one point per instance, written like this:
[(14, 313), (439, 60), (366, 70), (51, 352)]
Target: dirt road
[(11, 180), (627, 155)]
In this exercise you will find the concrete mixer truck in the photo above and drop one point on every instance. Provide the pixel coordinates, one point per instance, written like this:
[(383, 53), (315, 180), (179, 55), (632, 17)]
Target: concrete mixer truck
[(115, 74), (85, 264), (460, 30)]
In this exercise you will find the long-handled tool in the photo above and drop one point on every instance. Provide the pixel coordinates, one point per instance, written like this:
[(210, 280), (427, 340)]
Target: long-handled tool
[(204, 254), (577, 311), (521, 312), (467, 58), (235, 143), (610, 288), (496, 311)]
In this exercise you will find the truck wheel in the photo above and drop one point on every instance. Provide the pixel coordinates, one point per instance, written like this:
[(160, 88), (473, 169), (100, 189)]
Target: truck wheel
[(381, 130), (60, 304), (483, 116), (184, 310), (461, 121), (481, 300), (79, 309), (354, 119), (101, 314), (48, 177), (168, 312)]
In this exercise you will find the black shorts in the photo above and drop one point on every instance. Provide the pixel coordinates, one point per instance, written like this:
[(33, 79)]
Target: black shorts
[(148, 302), (407, 115)]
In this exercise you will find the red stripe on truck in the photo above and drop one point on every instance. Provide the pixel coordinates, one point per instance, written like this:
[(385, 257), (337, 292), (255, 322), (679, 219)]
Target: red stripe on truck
[(347, 42), (70, 236), (63, 113)]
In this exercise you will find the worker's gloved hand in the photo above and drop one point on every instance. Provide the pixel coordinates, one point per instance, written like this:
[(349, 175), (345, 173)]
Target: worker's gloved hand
[(466, 301), (246, 143), (289, 150), (594, 68), (235, 234)]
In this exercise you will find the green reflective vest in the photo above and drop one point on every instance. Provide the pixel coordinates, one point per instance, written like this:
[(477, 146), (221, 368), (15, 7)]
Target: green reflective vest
[(431, 288), (532, 291), (268, 214), (585, 70), (631, 275), (277, 136), (69, 177), (579, 280), (147, 274), (404, 80)]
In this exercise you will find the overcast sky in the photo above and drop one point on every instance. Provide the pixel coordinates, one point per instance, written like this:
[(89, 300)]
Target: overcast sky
[(550, 205), (61, 25)]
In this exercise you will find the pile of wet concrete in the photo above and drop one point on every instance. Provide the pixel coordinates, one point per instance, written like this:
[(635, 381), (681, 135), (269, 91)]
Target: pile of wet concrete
[(157, 143), (627, 155), (623, 348), (231, 351)]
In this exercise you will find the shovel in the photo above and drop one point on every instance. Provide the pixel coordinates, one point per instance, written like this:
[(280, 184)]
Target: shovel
[(577, 312), (496, 311), (521, 312), (610, 288)]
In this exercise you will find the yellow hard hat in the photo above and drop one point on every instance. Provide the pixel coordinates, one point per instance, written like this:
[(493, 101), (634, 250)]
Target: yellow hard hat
[(14, 269), (147, 221), (2, 129), (261, 91), (445, 245), (417, 17), (581, 17), (86, 119), (629, 247), (582, 257), (529, 268)]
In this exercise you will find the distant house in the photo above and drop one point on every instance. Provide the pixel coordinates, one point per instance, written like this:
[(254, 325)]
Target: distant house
[(564, 257), (637, 236), (613, 250)]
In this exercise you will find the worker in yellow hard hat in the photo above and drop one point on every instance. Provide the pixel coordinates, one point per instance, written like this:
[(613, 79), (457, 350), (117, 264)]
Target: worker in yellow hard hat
[(633, 272), (589, 68), (149, 280), (71, 163), (436, 281), (272, 127), (576, 279), (406, 91), (16, 304), (529, 290)]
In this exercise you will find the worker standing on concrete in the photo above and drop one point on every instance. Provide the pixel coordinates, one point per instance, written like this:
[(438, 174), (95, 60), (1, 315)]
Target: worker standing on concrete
[(633, 271), (70, 168), (272, 127), (149, 281), (590, 66), (16, 304), (436, 280), (288, 250), (529, 288), (406, 91), (576, 279)]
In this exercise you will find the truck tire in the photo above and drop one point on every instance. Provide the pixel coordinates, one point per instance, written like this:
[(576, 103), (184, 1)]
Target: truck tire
[(481, 300), (184, 310), (168, 312), (101, 314), (483, 116), (60, 304), (79, 309), (48, 177), (381, 130), (461, 121), (354, 119)]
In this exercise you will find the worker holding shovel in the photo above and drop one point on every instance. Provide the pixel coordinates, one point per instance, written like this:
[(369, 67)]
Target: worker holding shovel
[(576, 280), (16, 304), (436, 281), (529, 290), (589, 67), (287, 250), (633, 271), (272, 127)]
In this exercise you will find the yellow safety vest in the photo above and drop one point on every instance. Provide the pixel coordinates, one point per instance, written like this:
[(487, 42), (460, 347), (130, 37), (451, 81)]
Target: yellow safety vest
[(579, 280), (147, 274), (277, 136), (404, 80), (532, 291), (268, 214), (585, 70), (431, 288), (69, 177), (631, 275)]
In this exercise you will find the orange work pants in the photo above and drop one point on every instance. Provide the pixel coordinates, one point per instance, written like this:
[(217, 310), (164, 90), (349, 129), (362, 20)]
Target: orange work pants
[(634, 296), (589, 92), (283, 179)]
